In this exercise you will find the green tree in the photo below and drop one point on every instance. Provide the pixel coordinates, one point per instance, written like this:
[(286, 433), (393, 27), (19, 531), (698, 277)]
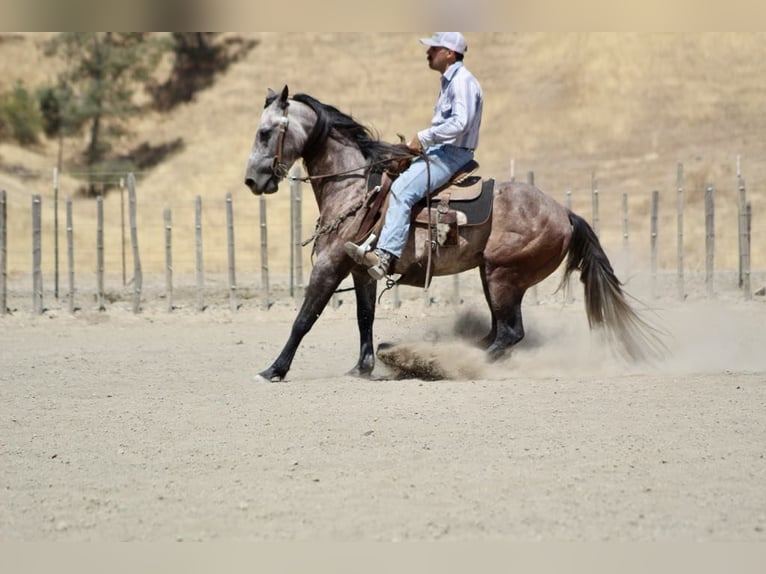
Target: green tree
[(96, 89), (20, 117)]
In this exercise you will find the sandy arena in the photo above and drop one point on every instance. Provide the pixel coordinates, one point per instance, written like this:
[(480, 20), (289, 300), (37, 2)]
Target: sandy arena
[(122, 427), (150, 427)]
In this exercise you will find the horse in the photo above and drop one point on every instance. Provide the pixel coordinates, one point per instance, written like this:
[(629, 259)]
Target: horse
[(527, 236)]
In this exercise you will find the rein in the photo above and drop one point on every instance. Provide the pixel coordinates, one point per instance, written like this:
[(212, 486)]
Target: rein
[(281, 171), (310, 178)]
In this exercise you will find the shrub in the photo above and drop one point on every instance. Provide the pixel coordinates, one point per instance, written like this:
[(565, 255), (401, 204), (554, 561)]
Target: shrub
[(20, 117)]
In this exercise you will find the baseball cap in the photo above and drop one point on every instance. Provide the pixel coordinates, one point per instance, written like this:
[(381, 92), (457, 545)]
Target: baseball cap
[(451, 40)]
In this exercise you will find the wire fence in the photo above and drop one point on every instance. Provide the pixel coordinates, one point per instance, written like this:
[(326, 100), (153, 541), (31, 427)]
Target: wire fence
[(227, 250)]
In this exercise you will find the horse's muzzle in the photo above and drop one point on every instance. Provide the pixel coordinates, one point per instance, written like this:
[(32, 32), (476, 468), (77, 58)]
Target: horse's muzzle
[(250, 182), (260, 183)]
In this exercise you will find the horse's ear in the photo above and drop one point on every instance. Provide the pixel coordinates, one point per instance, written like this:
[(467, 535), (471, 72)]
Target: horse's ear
[(283, 97), (271, 95)]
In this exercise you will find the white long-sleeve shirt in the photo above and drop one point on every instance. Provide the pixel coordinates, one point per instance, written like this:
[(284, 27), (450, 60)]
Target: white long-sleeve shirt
[(457, 114)]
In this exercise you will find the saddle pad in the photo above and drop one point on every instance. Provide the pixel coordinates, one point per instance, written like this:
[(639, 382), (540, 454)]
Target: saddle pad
[(471, 212)]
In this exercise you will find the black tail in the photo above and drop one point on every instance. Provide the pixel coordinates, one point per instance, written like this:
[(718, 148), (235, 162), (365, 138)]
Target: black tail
[(606, 304)]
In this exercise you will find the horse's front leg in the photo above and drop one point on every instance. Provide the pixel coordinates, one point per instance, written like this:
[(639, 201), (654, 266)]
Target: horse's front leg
[(365, 289), (325, 278)]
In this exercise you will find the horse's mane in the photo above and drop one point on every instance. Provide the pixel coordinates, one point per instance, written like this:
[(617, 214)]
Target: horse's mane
[(333, 123)]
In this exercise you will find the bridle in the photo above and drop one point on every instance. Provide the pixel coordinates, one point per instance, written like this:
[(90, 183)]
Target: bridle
[(278, 167)]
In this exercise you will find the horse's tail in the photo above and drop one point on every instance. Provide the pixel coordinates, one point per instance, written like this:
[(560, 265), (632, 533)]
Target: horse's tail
[(606, 304)]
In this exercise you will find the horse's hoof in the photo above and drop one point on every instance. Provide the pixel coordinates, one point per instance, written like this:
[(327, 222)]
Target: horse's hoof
[(362, 374), (261, 378), (495, 355)]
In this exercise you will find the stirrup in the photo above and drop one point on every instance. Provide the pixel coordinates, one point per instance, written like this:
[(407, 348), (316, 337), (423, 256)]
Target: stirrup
[(376, 272), (357, 252)]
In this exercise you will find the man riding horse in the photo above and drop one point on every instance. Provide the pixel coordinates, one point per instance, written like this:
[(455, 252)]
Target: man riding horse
[(444, 148)]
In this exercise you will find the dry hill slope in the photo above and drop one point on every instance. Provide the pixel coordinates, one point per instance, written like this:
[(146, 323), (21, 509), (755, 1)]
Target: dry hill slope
[(625, 107)]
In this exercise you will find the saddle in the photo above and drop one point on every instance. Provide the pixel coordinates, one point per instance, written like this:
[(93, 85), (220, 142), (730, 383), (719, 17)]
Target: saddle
[(465, 199)]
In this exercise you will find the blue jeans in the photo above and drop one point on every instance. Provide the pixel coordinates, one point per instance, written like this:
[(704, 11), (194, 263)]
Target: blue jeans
[(410, 187)]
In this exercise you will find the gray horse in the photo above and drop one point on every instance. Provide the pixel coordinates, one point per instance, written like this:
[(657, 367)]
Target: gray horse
[(525, 239)]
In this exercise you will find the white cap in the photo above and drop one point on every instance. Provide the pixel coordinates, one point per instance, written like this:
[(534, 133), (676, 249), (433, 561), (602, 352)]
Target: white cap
[(451, 40)]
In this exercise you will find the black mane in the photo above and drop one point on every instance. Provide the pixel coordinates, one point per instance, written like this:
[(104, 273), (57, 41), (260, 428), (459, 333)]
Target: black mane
[(335, 124)]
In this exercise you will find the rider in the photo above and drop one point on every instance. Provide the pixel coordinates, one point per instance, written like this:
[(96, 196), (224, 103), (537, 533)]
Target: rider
[(449, 144)]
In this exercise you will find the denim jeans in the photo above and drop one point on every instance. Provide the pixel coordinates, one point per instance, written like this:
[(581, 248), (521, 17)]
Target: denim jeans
[(410, 187)]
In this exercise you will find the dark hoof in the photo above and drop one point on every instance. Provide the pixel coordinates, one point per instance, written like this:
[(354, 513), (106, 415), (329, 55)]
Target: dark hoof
[(485, 343), (361, 373), (494, 354)]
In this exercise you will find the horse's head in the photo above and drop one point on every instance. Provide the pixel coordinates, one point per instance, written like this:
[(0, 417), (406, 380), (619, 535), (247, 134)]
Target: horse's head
[(279, 141), (300, 126)]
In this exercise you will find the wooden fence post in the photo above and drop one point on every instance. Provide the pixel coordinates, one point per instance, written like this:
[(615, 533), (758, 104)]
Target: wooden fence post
[(198, 250), (653, 240), (123, 235), (594, 193), (740, 218), (138, 277), (709, 237), (680, 231), (265, 293), (3, 253), (37, 272), (100, 299), (625, 235), (167, 217), (741, 221), (56, 233), (746, 284), (230, 244), (70, 252)]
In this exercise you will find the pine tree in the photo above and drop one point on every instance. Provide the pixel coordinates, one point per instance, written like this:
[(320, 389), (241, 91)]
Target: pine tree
[(96, 88)]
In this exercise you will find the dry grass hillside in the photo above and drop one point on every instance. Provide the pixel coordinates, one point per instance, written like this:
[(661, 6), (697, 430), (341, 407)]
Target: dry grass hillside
[(623, 107)]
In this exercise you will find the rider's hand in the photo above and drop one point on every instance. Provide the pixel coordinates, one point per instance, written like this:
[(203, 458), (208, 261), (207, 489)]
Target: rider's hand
[(415, 145)]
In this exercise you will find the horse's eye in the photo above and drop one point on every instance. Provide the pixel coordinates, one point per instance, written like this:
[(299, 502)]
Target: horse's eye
[(263, 135)]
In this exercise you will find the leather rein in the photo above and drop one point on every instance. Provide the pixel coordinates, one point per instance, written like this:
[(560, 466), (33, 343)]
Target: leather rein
[(280, 170)]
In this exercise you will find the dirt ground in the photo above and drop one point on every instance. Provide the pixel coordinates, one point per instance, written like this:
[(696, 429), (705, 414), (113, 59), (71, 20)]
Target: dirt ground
[(149, 427)]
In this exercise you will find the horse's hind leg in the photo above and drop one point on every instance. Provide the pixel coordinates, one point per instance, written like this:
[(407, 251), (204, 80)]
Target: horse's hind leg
[(487, 341), (365, 290), (510, 330), (504, 300)]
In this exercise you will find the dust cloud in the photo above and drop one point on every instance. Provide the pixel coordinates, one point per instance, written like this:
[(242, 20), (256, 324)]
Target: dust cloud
[(701, 338)]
